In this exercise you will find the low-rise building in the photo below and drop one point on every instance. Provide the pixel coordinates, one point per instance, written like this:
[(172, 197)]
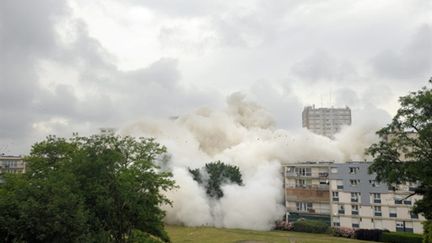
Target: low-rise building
[(11, 164), (355, 198)]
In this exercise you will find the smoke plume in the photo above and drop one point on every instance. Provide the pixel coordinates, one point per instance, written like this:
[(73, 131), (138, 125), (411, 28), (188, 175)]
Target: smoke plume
[(242, 134)]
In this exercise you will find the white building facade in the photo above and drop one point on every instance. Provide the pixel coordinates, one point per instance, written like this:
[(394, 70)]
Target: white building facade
[(355, 200)]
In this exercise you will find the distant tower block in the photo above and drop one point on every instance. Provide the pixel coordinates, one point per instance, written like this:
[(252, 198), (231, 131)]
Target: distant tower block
[(326, 121), (107, 131)]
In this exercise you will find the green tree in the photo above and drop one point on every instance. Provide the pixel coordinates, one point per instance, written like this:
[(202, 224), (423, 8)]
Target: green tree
[(214, 174), (404, 153), (97, 189)]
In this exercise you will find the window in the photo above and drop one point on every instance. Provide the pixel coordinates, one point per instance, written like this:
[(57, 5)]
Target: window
[(339, 185), (355, 223), (398, 200), (304, 171), (354, 210), (335, 196), (407, 202), (336, 222), (354, 182), (354, 170), (392, 213), (303, 183), (377, 211), (341, 209), (376, 197), (413, 215), (304, 206), (355, 196)]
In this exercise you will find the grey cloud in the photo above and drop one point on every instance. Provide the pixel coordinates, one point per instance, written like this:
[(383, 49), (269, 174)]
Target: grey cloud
[(322, 66), (280, 100), (346, 97), (412, 61)]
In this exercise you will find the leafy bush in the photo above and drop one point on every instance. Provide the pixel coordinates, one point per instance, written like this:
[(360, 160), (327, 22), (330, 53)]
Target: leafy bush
[(343, 232), (368, 234), (283, 225), (401, 237), (427, 236), (310, 226)]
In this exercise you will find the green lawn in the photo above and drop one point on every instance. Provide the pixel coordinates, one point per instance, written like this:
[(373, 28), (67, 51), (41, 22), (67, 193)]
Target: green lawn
[(207, 234)]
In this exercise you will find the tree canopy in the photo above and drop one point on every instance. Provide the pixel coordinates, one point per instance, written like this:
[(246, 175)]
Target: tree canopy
[(95, 189), (214, 174), (404, 153)]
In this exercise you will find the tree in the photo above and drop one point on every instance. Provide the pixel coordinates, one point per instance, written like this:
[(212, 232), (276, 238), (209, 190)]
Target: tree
[(404, 153), (97, 189), (214, 174)]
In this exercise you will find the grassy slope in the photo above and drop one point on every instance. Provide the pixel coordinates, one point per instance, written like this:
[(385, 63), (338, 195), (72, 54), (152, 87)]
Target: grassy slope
[(207, 234)]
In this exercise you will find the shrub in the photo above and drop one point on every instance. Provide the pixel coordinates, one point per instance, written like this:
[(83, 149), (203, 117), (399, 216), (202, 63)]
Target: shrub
[(368, 234), (401, 237), (310, 226), (343, 232), (283, 225), (427, 236)]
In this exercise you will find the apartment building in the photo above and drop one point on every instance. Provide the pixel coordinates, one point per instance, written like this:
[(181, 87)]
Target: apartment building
[(307, 191), (11, 164), (355, 200), (326, 121)]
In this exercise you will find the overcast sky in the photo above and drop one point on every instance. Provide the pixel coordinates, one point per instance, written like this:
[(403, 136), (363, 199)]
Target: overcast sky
[(75, 66)]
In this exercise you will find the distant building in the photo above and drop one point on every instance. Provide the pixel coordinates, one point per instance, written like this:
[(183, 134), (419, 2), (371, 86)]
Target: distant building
[(107, 131), (326, 121), (346, 195), (11, 164)]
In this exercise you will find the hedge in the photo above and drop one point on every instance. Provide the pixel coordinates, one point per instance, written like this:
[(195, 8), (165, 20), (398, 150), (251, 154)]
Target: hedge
[(310, 226), (401, 237), (368, 234)]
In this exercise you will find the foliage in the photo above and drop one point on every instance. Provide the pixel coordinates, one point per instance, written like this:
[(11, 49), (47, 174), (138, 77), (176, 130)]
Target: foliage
[(401, 237), (283, 225), (214, 175), (96, 189), (310, 226), (404, 154), (427, 234), (343, 232), (368, 234), (138, 236)]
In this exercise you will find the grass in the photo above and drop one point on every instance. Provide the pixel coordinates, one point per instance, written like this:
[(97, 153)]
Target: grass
[(216, 235)]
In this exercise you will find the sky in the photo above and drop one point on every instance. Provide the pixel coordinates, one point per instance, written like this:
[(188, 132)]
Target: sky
[(76, 66)]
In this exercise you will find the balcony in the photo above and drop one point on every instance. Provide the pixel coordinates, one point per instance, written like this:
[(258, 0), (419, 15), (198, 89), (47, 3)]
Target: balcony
[(323, 174), (316, 187)]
